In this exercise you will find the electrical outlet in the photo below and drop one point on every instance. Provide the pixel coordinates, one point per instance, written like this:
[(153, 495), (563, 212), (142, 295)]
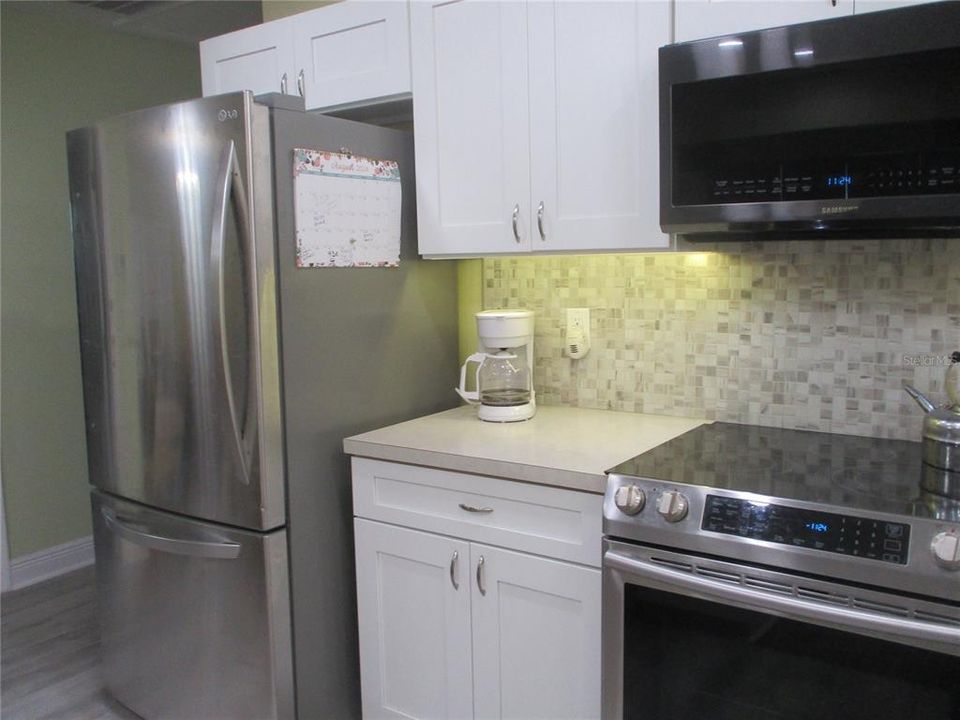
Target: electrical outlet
[(578, 332)]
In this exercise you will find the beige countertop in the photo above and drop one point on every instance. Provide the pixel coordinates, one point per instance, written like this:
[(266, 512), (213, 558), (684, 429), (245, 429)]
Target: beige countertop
[(561, 446)]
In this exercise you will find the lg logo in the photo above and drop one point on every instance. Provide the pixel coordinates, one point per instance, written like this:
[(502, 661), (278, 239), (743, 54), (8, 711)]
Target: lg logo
[(227, 115)]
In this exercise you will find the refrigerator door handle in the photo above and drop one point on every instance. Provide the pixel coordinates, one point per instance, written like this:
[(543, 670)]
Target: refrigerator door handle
[(194, 548), (231, 185)]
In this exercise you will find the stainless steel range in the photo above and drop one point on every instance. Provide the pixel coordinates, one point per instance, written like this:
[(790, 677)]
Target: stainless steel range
[(755, 572)]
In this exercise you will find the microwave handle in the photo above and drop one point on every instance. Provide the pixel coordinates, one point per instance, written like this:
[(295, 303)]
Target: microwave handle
[(844, 618)]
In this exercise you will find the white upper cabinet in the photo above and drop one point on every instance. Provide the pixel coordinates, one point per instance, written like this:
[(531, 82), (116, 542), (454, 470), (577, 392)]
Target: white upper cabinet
[(350, 53), (536, 125), (697, 19), (471, 127), (865, 6), (259, 59), (594, 124)]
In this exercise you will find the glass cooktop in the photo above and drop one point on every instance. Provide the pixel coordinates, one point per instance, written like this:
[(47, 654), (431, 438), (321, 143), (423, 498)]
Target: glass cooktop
[(842, 470)]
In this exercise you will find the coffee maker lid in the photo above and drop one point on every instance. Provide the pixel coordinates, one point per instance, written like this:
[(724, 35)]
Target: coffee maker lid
[(505, 313)]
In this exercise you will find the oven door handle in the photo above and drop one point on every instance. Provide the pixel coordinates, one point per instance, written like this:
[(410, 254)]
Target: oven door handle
[(840, 617)]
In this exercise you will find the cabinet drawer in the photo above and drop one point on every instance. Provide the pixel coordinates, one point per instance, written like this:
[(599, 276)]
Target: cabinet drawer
[(552, 522)]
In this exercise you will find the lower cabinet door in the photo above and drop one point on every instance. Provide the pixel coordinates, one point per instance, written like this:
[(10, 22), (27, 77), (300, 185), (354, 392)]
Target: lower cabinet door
[(536, 636), (413, 602)]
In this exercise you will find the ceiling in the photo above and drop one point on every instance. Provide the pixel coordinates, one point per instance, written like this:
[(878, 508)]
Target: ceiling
[(184, 21)]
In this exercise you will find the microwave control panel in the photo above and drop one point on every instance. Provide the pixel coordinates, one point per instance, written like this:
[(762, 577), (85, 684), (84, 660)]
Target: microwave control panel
[(830, 532), (845, 180)]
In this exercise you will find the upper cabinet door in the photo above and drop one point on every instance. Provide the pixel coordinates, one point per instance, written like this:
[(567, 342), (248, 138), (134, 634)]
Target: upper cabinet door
[(536, 636), (259, 59), (471, 122), (697, 19), (353, 52), (594, 121)]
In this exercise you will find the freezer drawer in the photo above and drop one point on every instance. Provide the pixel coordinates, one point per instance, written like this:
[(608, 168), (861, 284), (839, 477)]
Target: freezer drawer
[(195, 617)]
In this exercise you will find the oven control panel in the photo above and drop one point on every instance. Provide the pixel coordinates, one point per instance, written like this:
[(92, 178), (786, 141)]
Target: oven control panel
[(830, 532)]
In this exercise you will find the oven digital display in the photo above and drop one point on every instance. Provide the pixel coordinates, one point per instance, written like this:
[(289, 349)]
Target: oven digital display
[(830, 532)]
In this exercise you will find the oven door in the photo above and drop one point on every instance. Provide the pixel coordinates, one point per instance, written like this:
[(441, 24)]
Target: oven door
[(691, 638)]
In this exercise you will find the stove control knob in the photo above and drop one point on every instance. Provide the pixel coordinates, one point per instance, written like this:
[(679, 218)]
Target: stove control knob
[(946, 549), (672, 505), (629, 499)]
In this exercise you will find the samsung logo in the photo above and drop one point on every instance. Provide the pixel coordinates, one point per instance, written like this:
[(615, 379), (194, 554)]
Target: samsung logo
[(838, 209)]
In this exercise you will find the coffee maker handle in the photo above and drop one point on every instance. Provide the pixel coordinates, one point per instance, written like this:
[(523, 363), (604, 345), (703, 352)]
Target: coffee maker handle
[(472, 397)]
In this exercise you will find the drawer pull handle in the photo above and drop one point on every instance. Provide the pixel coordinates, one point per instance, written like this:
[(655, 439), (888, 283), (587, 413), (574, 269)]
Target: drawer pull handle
[(471, 508), (480, 576), (453, 570)]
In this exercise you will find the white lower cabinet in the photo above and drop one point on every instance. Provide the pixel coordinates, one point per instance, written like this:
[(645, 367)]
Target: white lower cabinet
[(414, 623), (536, 636), (455, 628)]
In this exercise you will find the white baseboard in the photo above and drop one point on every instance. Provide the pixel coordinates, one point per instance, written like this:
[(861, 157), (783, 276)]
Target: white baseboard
[(44, 564)]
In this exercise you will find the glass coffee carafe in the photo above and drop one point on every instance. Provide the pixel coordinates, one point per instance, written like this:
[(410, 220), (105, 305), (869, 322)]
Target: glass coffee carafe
[(503, 384), (503, 380)]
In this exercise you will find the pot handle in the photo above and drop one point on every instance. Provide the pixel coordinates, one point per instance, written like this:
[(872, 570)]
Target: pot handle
[(472, 396)]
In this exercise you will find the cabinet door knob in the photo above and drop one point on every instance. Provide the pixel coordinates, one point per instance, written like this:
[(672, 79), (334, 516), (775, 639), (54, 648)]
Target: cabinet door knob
[(283, 83), (543, 236), (516, 221), (480, 587), (453, 570), (300, 82)]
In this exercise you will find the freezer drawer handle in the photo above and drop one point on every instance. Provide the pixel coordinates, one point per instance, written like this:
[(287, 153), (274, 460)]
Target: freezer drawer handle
[(194, 548)]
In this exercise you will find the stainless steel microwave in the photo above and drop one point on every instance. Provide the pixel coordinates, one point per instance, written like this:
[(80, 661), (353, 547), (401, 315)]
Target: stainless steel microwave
[(848, 127)]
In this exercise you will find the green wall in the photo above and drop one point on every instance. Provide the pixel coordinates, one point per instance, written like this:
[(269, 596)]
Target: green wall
[(55, 76), (275, 9), (469, 303)]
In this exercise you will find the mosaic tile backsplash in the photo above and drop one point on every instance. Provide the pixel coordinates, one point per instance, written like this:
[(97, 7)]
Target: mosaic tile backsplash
[(812, 335)]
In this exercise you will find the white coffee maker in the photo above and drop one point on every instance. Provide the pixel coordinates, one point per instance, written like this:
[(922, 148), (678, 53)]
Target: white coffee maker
[(504, 360)]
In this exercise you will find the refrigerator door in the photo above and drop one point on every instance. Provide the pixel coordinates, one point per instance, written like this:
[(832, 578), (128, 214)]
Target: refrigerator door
[(174, 251), (195, 617)]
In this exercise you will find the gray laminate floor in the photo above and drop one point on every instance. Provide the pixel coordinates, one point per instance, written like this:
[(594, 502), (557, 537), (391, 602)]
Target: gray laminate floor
[(50, 663)]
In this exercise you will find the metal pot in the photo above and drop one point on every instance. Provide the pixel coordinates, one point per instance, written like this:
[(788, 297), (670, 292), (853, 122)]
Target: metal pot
[(941, 443)]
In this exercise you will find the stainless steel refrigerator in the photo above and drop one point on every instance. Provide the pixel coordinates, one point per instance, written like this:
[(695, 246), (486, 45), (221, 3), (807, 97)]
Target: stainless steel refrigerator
[(219, 381)]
